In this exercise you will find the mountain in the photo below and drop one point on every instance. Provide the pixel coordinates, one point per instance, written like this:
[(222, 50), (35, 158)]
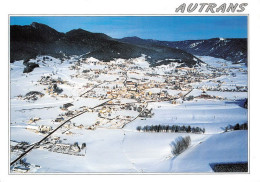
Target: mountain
[(38, 39), (232, 49)]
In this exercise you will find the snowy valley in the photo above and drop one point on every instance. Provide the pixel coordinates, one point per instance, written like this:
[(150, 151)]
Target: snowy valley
[(124, 116)]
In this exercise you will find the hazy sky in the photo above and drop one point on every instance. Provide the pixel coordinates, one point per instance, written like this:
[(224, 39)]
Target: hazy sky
[(169, 28)]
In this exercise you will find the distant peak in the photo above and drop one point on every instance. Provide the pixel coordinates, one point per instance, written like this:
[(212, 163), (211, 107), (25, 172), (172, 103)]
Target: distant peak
[(37, 25), (133, 37), (136, 37), (40, 26), (79, 30), (34, 24)]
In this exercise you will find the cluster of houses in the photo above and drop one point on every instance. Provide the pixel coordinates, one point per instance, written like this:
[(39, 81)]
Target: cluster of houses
[(67, 149), (53, 89), (23, 167), (44, 129), (54, 144), (146, 113), (133, 88), (52, 84), (22, 146), (39, 129), (136, 88)]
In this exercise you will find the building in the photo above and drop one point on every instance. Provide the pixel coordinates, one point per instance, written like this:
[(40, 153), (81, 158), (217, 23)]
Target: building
[(44, 129)]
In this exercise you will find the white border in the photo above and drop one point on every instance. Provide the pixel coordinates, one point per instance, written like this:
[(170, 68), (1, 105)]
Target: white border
[(88, 7), (119, 173)]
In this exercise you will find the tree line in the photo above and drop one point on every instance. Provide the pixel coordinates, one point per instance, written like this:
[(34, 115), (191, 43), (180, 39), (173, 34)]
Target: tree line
[(168, 128), (237, 126)]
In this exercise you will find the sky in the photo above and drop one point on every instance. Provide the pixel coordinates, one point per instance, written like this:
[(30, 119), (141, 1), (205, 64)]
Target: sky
[(168, 28)]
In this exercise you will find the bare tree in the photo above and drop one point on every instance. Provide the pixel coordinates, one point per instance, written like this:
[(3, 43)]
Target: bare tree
[(180, 145)]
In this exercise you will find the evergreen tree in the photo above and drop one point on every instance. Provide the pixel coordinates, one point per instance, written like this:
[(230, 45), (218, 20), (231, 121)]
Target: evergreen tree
[(138, 128), (188, 130), (236, 127)]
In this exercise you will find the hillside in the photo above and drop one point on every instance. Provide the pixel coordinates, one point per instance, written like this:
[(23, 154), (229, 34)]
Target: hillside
[(28, 41), (234, 49), (230, 147)]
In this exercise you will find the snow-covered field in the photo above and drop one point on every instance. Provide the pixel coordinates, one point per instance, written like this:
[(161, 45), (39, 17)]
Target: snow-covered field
[(211, 115), (125, 150)]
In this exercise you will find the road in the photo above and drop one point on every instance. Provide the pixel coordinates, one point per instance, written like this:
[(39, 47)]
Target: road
[(137, 115), (53, 131), (62, 124), (186, 94)]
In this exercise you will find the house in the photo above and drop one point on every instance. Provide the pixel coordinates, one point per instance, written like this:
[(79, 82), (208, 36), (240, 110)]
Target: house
[(75, 147), (61, 147), (205, 96), (132, 89), (69, 113), (21, 169), (60, 119), (32, 120), (66, 106), (147, 113), (177, 101), (104, 110), (130, 83), (44, 129)]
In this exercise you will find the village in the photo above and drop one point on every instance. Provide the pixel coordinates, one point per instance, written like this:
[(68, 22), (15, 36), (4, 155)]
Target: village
[(140, 85)]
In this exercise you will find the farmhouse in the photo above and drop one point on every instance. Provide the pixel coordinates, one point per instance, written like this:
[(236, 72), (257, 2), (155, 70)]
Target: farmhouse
[(66, 106), (59, 119), (44, 129)]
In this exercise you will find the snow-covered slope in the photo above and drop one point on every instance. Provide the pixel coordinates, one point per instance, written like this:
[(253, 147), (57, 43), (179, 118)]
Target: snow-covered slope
[(228, 147)]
